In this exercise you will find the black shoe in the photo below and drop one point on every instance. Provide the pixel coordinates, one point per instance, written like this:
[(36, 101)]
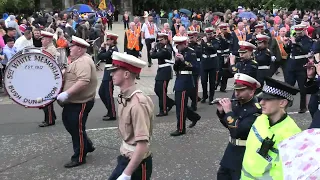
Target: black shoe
[(301, 111), (109, 118), (161, 114), (91, 149), (177, 133), (224, 91), (195, 120), (138, 77), (170, 107), (193, 108), (149, 65), (193, 124), (211, 102), (72, 164), (203, 101), (45, 124), (105, 116)]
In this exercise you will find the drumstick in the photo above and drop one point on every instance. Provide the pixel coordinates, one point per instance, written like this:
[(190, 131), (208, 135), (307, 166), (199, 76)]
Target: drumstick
[(216, 101), (39, 99)]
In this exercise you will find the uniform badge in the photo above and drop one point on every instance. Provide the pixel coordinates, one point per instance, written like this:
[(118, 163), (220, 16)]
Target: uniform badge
[(258, 105), (230, 120), (234, 69)]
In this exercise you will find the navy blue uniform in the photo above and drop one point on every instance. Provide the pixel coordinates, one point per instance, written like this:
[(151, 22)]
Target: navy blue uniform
[(209, 68), (312, 87), (223, 53), (196, 74), (263, 58), (295, 71), (238, 122), (248, 67), (164, 74), (251, 38), (106, 87), (183, 87)]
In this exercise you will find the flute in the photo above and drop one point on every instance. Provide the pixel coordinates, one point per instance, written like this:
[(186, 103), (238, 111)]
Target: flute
[(216, 101)]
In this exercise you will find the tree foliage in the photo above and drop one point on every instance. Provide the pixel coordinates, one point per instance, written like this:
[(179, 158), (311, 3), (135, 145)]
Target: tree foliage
[(16, 5)]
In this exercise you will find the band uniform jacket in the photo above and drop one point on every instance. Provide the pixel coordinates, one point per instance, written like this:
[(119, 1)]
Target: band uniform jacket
[(302, 46), (107, 73), (238, 122), (209, 49), (263, 57), (198, 49), (185, 81), (275, 50), (248, 67), (53, 51), (163, 54)]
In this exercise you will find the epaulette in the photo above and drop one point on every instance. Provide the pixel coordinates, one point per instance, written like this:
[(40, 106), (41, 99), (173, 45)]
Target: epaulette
[(254, 61), (257, 105)]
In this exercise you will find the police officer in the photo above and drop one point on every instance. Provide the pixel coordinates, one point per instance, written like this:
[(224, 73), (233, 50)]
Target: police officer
[(246, 65), (163, 52), (135, 120), (263, 58), (193, 44), (209, 64), (237, 116), (225, 40), (106, 87), (298, 47), (186, 61), (47, 45), (77, 99), (261, 157)]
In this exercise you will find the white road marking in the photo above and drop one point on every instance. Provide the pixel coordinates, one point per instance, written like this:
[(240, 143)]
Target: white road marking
[(99, 129), (296, 112)]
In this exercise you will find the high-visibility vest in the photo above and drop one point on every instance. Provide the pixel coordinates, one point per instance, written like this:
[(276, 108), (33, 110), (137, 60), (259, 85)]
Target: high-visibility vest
[(283, 53), (192, 28), (274, 34), (169, 32), (138, 28), (254, 166), (241, 35), (133, 40)]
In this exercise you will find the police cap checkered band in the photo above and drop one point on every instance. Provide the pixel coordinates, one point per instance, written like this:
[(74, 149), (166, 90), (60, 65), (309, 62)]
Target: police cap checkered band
[(277, 92)]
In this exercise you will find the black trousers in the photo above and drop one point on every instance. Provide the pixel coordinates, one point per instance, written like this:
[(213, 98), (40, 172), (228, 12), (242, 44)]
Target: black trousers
[(148, 44), (275, 66), (106, 96), (2, 74), (109, 25), (126, 24), (49, 114), (183, 111), (194, 94), (161, 89), (299, 76), (74, 118), (228, 174), (208, 75), (143, 172), (261, 75)]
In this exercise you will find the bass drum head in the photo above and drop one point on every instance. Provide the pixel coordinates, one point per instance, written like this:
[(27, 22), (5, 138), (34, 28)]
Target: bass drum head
[(32, 78)]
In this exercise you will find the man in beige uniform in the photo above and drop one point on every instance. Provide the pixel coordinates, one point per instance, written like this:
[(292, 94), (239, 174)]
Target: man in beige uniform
[(135, 113), (48, 47), (77, 98)]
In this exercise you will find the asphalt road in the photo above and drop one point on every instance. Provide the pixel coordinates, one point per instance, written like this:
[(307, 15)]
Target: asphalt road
[(29, 152)]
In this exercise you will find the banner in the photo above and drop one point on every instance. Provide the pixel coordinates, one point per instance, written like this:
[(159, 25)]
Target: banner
[(110, 6), (102, 5)]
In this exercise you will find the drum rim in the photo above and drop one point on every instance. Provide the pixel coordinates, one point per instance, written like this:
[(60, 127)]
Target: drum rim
[(44, 54)]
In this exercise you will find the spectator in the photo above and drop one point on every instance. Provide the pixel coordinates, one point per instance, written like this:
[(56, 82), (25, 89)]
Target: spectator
[(126, 20), (36, 38), (12, 23), (8, 51), (11, 33), (2, 33), (69, 31), (24, 41)]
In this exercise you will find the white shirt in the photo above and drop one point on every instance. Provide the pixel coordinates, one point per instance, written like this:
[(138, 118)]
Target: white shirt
[(22, 42), (145, 29)]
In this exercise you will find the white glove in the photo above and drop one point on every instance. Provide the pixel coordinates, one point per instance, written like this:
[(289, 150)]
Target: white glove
[(273, 58), (124, 177), (143, 41), (62, 97)]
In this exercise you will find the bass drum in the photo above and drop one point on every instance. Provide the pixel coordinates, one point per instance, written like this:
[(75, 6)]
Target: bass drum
[(33, 74)]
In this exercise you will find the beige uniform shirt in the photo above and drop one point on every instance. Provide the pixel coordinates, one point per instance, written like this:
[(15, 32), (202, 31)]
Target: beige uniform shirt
[(135, 119), (52, 50), (82, 69)]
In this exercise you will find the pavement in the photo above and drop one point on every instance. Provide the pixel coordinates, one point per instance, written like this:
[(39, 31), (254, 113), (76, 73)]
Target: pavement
[(29, 152)]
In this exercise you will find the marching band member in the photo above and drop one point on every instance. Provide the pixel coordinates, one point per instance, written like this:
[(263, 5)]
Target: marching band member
[(135, 120), (237, 117), (209, 64), (246, 65), (193, 38), (185, 63), (261, 158), (298, 47), (252, 36), (148, 35), (77, 98), (106, 87), (163, 52), (263, 57), (225, 40), (47, 45)]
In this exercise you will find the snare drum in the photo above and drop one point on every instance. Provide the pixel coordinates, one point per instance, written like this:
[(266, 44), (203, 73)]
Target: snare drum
[(33, 74)]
